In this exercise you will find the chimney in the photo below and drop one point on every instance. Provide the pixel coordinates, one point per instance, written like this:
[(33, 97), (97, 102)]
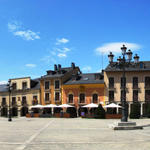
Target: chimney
[(73, 65), (55, 67), (136, 59), (59, 67)]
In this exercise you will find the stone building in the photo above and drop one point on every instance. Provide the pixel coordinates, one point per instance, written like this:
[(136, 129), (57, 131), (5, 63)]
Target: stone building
[(84, 89), (24, 93), (51, 84), (137, 83)]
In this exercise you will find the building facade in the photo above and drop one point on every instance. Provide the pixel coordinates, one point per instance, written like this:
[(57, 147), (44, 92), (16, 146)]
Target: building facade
[(84, 89), (51, 84), (24, 93), (137, 83)]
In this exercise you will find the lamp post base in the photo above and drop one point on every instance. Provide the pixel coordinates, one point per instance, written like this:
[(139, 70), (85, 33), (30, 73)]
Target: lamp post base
[(126, 126), (9, 119)]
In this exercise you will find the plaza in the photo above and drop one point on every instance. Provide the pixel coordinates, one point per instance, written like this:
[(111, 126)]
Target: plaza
[(70, 134)]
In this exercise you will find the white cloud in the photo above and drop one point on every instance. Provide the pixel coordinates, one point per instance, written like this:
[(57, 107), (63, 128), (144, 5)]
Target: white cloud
[(13, 27), (62, 55), (63, 50), (115, 47), (30, 65), (62, 41), (3, 82), (27, 35), (58, 52), (86, 69), (17, 30)]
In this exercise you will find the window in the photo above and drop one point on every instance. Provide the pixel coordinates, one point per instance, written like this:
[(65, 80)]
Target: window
[(3, 101), (147, 82), (95, 98), (14, 86), (135, 95), (24, 101), (123, 82), (47, 85), (135, 82), (57, 96), (35, 101), (57, 84), (47, 98), (111, 96), (82, 98), (147, 95), (70, 98), (24, 85), (14, 101), (123, 95), (111, 82)]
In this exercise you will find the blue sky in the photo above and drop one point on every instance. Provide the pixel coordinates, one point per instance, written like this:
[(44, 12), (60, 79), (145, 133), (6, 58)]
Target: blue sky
[(35, 35)]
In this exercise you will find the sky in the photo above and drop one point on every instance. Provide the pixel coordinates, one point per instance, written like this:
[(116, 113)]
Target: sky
[(36, 34)]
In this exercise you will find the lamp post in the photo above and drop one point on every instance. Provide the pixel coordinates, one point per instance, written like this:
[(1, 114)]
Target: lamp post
[(9, 90), (123, 100), (123, 63)]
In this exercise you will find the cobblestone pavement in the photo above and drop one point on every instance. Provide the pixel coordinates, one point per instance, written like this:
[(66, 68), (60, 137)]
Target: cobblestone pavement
[(70, 134)]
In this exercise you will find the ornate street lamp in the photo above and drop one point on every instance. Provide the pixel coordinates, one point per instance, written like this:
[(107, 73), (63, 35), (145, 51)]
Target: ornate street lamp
[(9, 90), (136, 59), (123, 63), (110, 56)]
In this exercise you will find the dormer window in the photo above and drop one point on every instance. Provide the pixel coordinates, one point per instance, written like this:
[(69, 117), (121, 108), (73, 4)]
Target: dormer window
[(24, 85)]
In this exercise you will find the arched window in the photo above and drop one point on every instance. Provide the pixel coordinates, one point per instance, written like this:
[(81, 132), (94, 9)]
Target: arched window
[(70, 98), (82, 98), (95, 98)]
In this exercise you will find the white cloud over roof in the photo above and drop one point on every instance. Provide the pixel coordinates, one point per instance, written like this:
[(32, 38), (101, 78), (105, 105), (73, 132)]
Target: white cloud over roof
[(115, 47)]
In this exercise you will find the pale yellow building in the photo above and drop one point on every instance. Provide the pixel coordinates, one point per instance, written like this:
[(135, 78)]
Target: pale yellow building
[(137, 83), (24, 93)]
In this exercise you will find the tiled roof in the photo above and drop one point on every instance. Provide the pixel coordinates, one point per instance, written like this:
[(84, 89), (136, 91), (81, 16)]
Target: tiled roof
[(58, 74), (35, 84), (88, 78), (141, 66), (3, 88)]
